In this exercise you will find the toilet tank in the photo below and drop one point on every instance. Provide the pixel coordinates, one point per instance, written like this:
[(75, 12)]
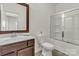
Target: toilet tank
[(41, 39)]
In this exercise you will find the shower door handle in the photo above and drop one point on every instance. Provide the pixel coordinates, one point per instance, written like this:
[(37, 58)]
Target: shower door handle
[(62, 35)]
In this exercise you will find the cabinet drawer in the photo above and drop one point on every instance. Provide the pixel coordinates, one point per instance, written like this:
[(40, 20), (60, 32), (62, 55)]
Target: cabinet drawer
[(10, 54), (12, 47), (30, 42)]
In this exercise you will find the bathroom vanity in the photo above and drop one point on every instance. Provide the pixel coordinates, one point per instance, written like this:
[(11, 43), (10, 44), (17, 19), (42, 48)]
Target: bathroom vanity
[(14, 18), (17, 47)]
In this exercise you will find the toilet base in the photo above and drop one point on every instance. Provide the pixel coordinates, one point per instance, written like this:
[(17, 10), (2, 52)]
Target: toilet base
[(46, 52)]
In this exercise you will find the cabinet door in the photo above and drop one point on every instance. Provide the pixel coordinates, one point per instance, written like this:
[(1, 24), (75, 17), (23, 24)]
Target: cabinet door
[(26, 52)]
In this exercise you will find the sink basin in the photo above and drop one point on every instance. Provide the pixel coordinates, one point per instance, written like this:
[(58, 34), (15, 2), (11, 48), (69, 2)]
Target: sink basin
[(14, 39), (22, 36)]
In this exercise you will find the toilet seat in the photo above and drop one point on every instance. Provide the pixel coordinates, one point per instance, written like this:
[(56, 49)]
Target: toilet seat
[(48, 46)]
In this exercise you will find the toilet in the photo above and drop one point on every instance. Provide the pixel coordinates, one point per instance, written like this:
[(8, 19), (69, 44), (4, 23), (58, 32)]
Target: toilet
[(46, 47)]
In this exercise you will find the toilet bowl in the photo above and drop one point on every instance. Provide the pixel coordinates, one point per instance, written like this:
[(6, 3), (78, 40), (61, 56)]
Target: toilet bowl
[(47, 49)]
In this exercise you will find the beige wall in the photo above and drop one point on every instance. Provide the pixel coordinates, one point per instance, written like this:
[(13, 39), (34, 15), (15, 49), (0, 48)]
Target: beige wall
[(40, 18)]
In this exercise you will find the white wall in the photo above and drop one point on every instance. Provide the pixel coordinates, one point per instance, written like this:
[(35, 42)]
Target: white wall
[(67, 48), (40, 19), (65, 6)]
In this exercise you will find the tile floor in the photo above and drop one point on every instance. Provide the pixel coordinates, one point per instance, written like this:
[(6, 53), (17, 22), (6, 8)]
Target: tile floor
[(54, 53)]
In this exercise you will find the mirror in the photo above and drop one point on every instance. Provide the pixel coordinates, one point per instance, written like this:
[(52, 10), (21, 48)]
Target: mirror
[(14, 17)]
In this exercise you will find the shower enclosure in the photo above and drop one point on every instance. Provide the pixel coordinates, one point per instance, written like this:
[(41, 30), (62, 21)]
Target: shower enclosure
[(65, 26)]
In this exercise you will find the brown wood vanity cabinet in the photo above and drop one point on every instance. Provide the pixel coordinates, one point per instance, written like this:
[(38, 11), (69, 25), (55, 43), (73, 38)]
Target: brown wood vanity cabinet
[(23, 48)]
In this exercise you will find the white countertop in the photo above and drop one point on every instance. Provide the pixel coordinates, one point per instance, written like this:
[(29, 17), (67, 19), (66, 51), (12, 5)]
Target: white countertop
[(9, 40)]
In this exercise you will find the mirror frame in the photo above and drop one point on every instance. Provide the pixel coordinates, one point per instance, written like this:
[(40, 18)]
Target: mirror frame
[(27, 22)]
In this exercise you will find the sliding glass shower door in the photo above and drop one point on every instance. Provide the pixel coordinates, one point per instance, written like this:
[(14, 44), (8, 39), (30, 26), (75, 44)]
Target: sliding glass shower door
[(71, 26), (65, 26)]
